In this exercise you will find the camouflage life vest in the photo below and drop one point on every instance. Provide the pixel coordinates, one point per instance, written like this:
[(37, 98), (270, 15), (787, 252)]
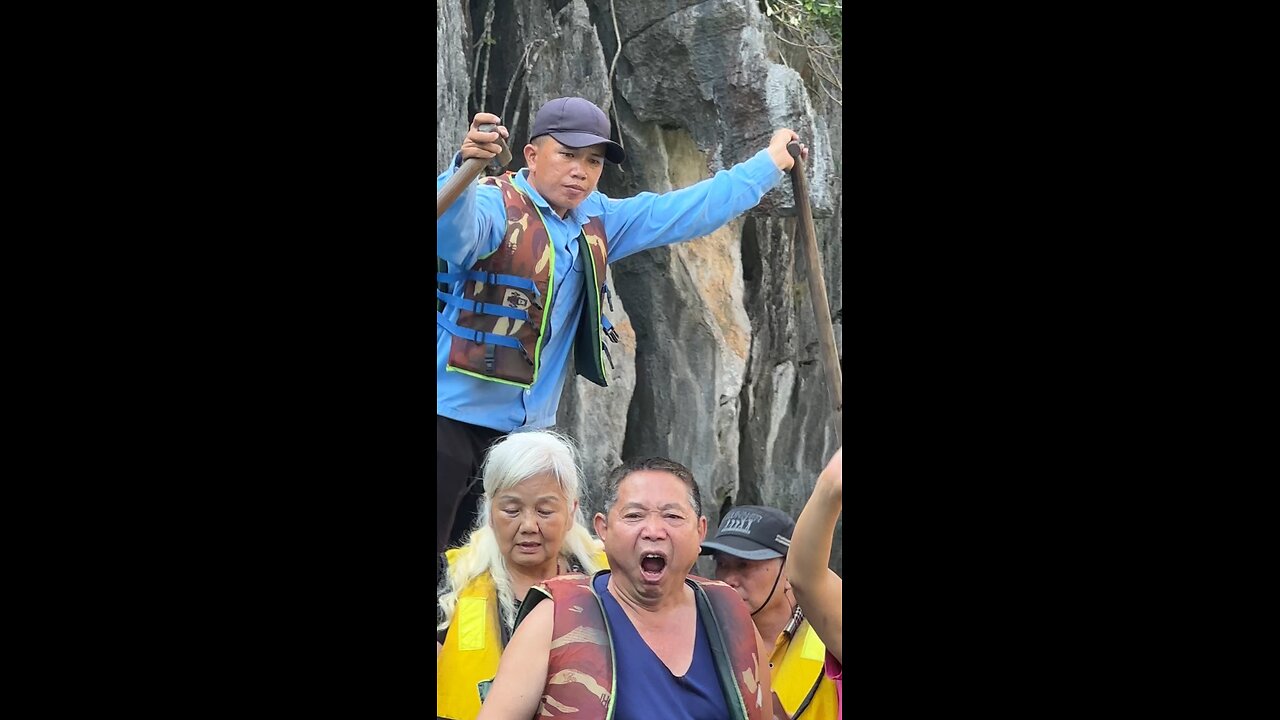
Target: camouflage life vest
[(581, 668), (504, 321)]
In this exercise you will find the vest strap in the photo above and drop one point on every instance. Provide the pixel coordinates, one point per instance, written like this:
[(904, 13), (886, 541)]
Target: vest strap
[(480, 338), (480, 308), (490, 279)]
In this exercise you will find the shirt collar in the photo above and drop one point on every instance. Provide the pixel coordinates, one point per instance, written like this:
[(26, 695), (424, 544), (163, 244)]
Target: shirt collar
[(522, 181)]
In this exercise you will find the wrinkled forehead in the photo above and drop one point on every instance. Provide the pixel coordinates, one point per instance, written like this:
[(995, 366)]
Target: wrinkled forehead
[(654, 489), (544, 484)]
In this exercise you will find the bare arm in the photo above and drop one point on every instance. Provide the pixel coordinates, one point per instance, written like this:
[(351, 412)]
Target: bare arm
[(817, 588), (522, 672)]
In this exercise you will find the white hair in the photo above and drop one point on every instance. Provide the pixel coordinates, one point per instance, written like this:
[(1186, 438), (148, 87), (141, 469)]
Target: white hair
[(512, 460)]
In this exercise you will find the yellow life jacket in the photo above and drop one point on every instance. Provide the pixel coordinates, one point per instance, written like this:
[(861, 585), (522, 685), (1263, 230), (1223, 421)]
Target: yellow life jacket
[(798, 681), (472, 647)]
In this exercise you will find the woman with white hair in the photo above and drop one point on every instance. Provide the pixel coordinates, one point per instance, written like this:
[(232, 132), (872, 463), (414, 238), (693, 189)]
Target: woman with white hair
[(530, 528)]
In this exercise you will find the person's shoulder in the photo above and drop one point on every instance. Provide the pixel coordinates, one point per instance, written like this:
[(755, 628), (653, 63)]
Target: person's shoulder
[(535, 613), (494, 183), (574, 578), (572, 585), (452, 556), (600, 556), (596, 204), (708, 582)]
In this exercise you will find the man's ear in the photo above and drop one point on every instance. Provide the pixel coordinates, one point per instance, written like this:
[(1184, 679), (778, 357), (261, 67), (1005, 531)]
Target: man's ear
[(702, 528), (531, 156), (599, 524)]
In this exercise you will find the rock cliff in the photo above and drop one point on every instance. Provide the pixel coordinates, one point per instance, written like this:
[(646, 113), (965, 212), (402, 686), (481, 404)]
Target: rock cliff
[(719, 365)]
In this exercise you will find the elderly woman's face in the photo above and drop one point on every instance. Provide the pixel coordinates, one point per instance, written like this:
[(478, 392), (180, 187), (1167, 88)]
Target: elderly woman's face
[(530, 521)]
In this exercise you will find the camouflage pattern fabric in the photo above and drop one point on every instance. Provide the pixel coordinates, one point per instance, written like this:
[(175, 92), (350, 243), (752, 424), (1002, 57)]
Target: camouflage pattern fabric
[(580, 669), (734, 625)]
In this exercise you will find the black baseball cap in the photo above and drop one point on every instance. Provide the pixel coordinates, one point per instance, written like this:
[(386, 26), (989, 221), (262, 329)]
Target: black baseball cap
[(576, 122), (752, 532)]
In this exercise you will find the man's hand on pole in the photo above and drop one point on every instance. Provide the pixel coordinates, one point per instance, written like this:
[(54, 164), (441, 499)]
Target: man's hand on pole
[(485, 140), (778, 149), (481, 144)]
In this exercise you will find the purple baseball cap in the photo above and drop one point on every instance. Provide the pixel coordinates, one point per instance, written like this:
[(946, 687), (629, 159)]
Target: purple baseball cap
[(576, 122)]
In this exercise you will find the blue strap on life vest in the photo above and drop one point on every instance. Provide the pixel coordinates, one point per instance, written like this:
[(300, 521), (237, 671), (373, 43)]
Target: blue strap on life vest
[(477, 336), (481, 308), (491, 279)]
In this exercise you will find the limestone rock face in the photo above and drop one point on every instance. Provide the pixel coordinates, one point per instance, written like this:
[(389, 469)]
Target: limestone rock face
[(719, 364), (452, 115)]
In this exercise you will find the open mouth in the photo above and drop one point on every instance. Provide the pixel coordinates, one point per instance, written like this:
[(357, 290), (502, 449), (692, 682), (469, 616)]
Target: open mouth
[(652, 566)]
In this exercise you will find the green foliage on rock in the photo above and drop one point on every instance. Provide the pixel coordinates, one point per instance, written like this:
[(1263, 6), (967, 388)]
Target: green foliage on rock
[(816, 20), (812, 28)]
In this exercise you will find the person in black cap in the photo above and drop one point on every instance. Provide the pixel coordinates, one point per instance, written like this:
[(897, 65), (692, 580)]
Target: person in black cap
[(523, 260), (751, 549)]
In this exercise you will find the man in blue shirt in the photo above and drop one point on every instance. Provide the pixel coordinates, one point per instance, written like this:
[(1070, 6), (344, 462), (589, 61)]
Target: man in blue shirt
[(524, 273)]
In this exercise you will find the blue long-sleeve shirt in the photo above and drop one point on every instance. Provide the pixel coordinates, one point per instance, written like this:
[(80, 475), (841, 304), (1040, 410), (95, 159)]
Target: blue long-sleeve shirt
[(474, 225)]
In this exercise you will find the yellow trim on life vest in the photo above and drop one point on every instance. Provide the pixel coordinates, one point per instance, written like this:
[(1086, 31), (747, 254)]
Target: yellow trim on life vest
[(470, 621), (813, 648)]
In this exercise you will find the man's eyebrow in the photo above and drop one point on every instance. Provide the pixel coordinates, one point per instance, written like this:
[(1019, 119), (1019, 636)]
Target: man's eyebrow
[(665, 506)]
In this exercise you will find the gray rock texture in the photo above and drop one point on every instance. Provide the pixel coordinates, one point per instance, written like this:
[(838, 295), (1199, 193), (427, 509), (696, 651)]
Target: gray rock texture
[(719, 365), (452, 71)]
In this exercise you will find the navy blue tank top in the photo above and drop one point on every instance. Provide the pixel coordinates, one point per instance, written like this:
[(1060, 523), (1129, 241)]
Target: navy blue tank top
[(645, 688)]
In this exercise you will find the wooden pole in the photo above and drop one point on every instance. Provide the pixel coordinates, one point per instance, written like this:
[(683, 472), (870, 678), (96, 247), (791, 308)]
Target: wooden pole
[(817, 286)]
